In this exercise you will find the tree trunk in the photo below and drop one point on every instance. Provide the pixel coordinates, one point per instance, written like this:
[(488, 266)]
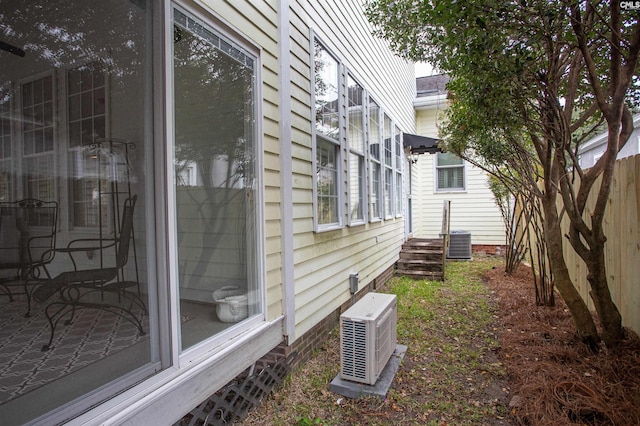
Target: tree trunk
[(582, 318), (607, 310)]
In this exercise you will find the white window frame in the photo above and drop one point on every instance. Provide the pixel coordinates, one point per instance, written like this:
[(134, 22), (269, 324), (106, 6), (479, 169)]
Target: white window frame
[(387, 161), (436, 179), (360, 155), (398, 171), (22, 185), (338, 143), (375, 215)]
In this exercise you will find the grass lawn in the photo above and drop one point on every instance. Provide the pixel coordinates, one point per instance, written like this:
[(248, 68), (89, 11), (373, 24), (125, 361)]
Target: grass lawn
[(450, 375)]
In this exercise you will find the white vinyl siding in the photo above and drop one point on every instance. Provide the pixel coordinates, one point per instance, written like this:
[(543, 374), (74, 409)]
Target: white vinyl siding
[(323, 261), (473, 210)]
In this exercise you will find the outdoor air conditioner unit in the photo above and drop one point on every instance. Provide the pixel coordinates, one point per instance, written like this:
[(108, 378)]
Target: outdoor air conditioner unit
[(367, 337), (459, 245)]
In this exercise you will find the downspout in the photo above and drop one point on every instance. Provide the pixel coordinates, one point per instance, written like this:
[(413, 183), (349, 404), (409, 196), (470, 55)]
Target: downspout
[(286, 174)]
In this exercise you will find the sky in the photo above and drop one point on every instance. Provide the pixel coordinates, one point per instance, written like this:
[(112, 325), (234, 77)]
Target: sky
[(423, 69)]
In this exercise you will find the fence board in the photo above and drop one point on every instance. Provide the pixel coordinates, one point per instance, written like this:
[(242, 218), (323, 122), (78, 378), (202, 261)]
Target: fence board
[(622, 249)]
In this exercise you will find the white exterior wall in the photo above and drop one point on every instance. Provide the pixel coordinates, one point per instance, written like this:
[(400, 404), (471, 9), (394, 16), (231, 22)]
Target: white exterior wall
[(592, 150), (323, 261), (473, 210)]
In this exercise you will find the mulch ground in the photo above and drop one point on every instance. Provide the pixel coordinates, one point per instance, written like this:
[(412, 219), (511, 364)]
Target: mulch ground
[(554, 378), (544, 375)]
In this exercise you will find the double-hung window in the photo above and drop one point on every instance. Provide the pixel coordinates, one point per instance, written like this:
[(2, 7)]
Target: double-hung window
[(449, 172), (38, 137), (398, 169), (388, 168), (355, 139), (327, 138), (375, 163)]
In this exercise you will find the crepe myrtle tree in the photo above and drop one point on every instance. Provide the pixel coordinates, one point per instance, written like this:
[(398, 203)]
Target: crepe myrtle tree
[(535, 79)]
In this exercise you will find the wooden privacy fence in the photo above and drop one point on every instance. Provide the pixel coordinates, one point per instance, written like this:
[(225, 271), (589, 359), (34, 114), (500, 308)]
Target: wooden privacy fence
[(622, 249)]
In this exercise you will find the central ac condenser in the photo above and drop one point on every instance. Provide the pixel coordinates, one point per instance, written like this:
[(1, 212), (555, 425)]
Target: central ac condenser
[(367, 337)]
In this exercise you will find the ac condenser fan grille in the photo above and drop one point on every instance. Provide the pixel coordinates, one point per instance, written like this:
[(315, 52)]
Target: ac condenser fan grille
[(354, 349)]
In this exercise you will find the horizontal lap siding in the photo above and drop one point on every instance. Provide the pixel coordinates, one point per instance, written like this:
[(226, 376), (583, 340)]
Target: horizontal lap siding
[(324, 260), (473, 210)]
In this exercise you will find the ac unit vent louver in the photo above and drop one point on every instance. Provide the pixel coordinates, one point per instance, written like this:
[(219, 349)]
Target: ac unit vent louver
[(459, 245), (367, 337)]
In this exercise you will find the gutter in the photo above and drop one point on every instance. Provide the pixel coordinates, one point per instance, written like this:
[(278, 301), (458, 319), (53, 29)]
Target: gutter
[(426, 102)]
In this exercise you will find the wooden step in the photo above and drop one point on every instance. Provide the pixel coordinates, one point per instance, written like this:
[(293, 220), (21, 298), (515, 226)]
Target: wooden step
[(421, 258), (421, 275), (422, 245), (421, 255), (421, 263)]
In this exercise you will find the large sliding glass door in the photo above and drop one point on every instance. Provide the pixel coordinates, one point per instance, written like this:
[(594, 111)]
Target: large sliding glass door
[(75, 145), (90, 252)]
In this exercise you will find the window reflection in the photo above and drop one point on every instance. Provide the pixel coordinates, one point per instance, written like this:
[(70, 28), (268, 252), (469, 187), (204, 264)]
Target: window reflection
[(214, 180), (73, 103)]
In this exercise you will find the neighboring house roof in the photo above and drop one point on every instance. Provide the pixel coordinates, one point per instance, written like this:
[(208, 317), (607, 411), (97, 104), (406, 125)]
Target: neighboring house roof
[(591, 150), (601, 139), (430, 91), (431, 85)]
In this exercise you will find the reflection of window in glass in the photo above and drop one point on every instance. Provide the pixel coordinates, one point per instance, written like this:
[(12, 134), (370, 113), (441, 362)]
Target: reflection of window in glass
[(5, 143), (38, 138), (388, 167), (398, 168), (355, 140), (214, 158), (86, 96), (327, 179), (374, 158), (54, 108), (326, 92), (450, 172)]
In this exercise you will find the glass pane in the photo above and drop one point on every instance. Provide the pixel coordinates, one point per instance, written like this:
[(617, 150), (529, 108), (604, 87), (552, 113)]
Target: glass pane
[(214, 181), (376, 180), (374, 130), (398, 147), (327, 178), (356, 187), (388, 200), (451, 178), (326, 92), (355, 135), (448, 159), (388, 143), (398, 193), (97, 339)]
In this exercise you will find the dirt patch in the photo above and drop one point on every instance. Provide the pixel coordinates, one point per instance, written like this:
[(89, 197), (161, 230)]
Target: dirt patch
[(554, 378)]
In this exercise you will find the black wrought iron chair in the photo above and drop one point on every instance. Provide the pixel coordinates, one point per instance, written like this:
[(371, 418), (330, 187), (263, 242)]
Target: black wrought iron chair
[(27, 242), (102, 288)]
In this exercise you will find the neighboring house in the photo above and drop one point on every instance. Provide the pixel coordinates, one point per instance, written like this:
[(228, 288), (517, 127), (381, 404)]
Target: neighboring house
[(263, 142), (439, 176), (591, 151)]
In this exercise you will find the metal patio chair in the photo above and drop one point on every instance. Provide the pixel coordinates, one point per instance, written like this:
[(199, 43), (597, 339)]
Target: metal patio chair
[(102, 288), (27, 242)]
